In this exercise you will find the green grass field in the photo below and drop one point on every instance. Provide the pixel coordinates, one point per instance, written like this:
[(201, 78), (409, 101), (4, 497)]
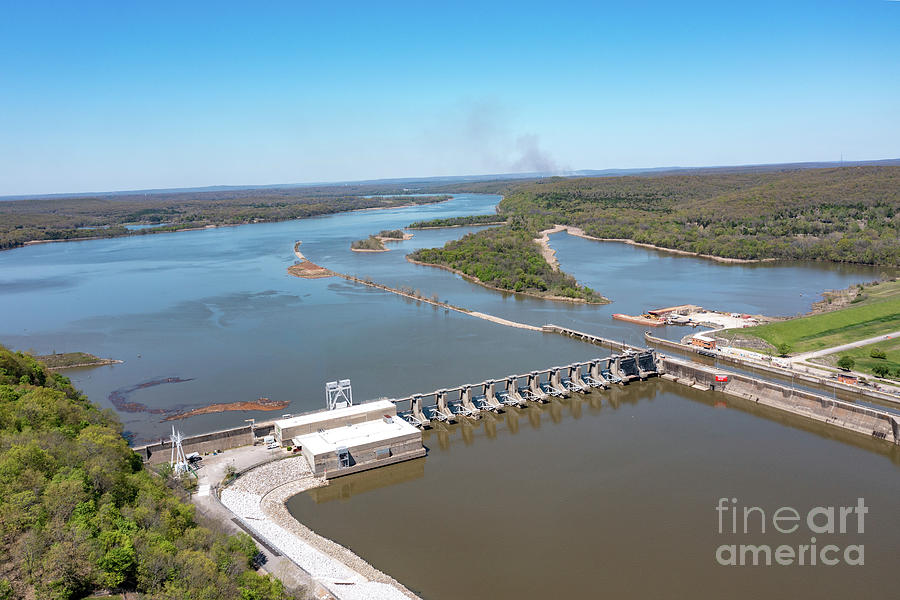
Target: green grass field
[(864, 362), (877, 312)]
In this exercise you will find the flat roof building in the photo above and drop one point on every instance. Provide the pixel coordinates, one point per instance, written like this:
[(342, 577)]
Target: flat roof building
[(285, 429), (360, 446)]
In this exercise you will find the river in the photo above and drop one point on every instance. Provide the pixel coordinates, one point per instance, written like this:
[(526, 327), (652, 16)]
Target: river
[(218, 309), (611, 494)]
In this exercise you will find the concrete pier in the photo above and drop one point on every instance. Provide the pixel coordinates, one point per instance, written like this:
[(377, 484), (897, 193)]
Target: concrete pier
[(864, 420), (519, 389)]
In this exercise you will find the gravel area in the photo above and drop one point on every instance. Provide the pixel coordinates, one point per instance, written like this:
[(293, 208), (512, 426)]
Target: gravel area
[(264, 478), (257, 497)]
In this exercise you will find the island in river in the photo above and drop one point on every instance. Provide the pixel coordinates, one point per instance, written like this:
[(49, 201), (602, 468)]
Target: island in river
[(73, 360), (375, 243)]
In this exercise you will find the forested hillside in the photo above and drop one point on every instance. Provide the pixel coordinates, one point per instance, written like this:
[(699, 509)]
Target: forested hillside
[(836, 214), (508, 259), (106, 216), (78, 512)]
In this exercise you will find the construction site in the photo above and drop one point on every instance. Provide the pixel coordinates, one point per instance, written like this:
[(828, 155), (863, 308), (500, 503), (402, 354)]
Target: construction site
[(691, 315)]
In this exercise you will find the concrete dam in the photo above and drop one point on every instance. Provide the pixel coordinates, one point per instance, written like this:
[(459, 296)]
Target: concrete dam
[(449, 405), (469, 401)]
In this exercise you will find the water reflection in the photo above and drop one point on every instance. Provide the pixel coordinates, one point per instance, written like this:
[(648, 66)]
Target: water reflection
[(343, 488), (644, 462)]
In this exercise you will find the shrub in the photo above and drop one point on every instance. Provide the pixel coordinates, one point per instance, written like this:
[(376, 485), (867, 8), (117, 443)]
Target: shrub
[(78, 509), (846, 362), (881, 370), (878, 353), (784, 349)]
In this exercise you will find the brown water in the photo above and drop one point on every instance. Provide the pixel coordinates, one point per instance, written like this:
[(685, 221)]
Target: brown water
[(577, 499), (614, 494)]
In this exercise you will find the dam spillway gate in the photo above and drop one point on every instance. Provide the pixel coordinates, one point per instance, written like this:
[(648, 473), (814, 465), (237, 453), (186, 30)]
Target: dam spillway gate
[(468, 401)]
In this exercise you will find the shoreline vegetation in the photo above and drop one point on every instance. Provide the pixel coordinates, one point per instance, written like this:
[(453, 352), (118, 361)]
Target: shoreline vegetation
[(45, 220), (506, 291), (84, 516), (840, 214), (506, 259), (846, 214), (434, 301), (446, 223), (413, 294), (544, 241), (375, 243), (73, 360)]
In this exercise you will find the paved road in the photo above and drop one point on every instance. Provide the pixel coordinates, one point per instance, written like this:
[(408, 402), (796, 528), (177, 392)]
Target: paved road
[(880, 338)]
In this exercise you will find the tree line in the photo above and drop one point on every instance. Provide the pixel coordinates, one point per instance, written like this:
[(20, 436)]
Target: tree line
[(106, 216), (79, 512), (457, 221), (845, 214), (509, 259)]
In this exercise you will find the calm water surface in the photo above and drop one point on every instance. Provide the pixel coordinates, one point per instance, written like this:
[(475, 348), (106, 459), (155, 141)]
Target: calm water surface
[(608, 495), (613, 495), (217, 307)]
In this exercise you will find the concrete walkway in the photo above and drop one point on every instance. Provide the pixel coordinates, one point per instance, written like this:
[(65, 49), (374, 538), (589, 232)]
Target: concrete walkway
[(880, 338), (211, 473), (300, 558)]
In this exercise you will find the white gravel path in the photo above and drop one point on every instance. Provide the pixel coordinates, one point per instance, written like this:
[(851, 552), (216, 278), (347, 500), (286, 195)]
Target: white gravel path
[(257, 497)]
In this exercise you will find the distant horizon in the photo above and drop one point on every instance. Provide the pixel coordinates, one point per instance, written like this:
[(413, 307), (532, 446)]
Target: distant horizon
[(469, 177), (106, 96)]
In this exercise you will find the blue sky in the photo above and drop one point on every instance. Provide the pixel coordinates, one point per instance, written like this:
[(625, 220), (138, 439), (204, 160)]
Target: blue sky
[(110, 96)]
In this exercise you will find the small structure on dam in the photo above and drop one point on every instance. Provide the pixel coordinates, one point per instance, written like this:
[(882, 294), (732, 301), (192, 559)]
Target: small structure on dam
[(351, 439), (310, 422), (354, 448)]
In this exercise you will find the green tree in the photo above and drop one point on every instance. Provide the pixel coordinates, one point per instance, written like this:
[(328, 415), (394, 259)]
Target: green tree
[(784, 349), (881, 370), (846, 362), (78, 510), (878, 353)]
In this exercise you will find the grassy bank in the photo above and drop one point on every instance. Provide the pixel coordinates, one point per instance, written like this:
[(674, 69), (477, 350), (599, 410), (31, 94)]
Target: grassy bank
[(874, 311), (865, 362), (79, 513)]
